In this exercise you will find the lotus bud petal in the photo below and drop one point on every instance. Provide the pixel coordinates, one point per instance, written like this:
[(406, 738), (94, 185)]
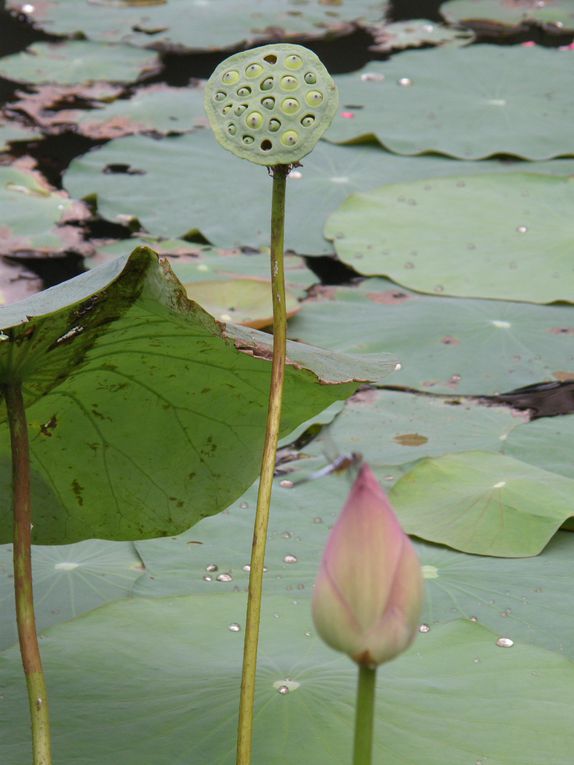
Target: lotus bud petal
[(369, 590)]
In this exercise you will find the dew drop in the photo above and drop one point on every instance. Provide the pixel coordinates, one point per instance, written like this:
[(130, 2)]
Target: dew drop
[(295, 174), (287, 535), (499, 485), (317, 519), (307, 634), (476, 660), (474, 619), (372, 77), (234, 627), (504, 642), (424, 628), (405, 82), (28, 8), (522, 229), (244, 505), (212, 567), (286, 686), (289, 559), (224, 578), (246, 567), (501, 324), (283, 689), (207, 578), (286, 484), (430, 572)]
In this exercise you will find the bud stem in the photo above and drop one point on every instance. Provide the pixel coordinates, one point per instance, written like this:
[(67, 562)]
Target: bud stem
[(364, 716), (245, 726), (29, 649)]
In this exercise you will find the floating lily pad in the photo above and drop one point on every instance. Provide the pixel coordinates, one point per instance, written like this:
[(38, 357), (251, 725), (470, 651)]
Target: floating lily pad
[(35, 216), (12, 132), (511, 16), (302, 688), (445, 345), (149, 180), (505, 236), (546, 443), (69, 580), (483, 503), (468, 103), (205, 26), (242, 301), (416, 32), (113, 362), (195, 263), (77, 61)]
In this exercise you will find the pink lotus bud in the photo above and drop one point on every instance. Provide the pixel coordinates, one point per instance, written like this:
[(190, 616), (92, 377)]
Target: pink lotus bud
[(369, 590)]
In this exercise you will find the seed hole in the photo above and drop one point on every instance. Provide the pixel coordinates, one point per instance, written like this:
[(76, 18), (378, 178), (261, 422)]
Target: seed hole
[(267, 83), (266, 145), (274, 125), (307, 120), (244, 91), (247, 139), (271, 58), (268, 102)]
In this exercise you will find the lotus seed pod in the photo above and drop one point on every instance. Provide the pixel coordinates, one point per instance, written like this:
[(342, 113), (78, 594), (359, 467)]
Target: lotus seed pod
[(271, 104)]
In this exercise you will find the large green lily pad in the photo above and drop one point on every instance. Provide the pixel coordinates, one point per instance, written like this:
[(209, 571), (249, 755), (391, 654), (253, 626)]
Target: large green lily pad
[(511, 16), (446, 345), (195, 262), (469, 103), (205, 26), (77, 61), (144, 415), (483, 503), (414, 33), (69, 580), (503, 236), (546, 443), (35, 216), (175, 667), (185, 184)]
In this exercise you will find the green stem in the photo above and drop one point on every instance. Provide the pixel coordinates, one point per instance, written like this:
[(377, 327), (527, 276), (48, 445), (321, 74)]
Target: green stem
[(29, 648), (364, 716), (245, 726)]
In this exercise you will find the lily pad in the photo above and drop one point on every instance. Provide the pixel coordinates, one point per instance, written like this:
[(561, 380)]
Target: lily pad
[(206, 26), (69, 580), (433, 100), (149, 180), (546, 443), (505, 236), (195, 262), (414, 33), (36, 216), (446, 345), (243, 301), (129, 437), (76, 61), (12, 132), (302, 688), (483, 503), (511, 16)]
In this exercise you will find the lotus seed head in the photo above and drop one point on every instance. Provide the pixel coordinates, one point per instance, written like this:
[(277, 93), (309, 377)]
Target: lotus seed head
[(254, 120), (314, 98), (230, 77), (289, 138), (253, 70), (289, 82), (279, 91), (290, 105), (293, 62)]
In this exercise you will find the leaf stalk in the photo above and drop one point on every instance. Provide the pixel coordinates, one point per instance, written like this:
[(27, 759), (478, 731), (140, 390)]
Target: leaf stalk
[(364, 716), (29, 649)]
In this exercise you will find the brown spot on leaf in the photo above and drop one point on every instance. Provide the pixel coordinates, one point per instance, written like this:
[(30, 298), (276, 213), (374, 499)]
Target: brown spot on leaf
[(449, 340), (563, 376), (389, 297), (47, 428), (410, 439), (561, 330), (78, 489)]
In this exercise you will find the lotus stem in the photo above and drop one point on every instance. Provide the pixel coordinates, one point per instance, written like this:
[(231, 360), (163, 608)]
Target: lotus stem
[(365, 716), (29, 649), (251, 641)]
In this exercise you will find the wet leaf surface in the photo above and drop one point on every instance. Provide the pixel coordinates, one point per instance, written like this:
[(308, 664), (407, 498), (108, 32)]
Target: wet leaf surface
[(413, 33), (445, 345), (432, 100), (511, 16), (504, 236)]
